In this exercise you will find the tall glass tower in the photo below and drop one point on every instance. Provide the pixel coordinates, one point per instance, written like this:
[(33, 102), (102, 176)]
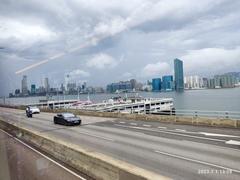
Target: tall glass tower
[(178, 75), (156, 84)]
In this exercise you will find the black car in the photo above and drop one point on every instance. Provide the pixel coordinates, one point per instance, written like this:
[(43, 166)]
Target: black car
[(66, 119)]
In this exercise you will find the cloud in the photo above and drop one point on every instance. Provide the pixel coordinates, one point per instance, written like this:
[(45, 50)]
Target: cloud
[(76, 76), (79, 72), (24, 32), (211, 60), (127, 75), (38, 37), (157, 69), (101, 61)]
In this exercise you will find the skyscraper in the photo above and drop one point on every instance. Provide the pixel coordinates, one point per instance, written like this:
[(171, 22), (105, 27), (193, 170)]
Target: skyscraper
[(178, 75), (46, 85), (167, 83), (33, 89), (156, 84), (24, 86)]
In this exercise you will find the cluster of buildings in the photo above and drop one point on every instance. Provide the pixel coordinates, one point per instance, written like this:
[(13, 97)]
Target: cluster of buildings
[(177, 82), (168, 82), (66, 88), (124, 86), (228, 80), (33, 90)]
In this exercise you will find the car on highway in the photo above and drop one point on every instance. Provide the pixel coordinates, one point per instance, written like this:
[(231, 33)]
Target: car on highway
[(33, 109), (67, 119)]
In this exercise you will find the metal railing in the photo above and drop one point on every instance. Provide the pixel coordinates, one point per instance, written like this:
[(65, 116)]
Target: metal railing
[(204, 113)]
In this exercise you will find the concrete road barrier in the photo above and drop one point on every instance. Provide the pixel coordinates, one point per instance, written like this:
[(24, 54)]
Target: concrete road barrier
[(93, 164)]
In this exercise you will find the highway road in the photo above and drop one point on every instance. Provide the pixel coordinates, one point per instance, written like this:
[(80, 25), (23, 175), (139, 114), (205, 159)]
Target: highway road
[(175, 151)]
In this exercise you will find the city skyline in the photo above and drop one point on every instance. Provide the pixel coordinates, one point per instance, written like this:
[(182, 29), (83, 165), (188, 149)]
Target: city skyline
[(166, 83), (137, 40)]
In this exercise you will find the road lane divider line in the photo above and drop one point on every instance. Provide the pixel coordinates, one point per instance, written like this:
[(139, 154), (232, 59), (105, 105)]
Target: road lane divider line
[(96, 136), (233, 142), (160, 127), (183, 130), (135, 124), (48, 158), (219, 135), (146, 125), (196, 161), (121, 122), (173, 133)]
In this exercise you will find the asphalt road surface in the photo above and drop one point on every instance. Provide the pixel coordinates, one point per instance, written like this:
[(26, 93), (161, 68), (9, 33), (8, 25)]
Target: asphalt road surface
[(175, 151)]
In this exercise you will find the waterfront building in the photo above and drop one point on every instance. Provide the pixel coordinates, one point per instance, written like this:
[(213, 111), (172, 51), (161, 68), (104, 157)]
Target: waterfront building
[(227, 81), (33, 89), (98, 90), (224, 81), (211, 83), (193, 82), (133, 83), (84, 87), (156, 84), (217, 81), (46, 85), (122, 86), (62, 88), (205, 82), (147, 87), (139, 86), (71, 88), (237, 80), (167, 83), (24, 86), (178, 75), (17, 92), (66, 81), (41, 91)]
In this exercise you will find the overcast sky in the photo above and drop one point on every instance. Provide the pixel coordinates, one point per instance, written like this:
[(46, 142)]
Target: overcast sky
[(102, 41)]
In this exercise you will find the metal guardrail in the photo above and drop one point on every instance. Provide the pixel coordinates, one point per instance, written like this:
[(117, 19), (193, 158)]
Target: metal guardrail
[(205, 113), (193, 113)]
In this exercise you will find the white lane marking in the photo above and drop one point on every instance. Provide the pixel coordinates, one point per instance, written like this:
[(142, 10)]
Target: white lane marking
[(100, 137), (135, 124), (160, 127), (183, 130), (197, 161), (173, 133), (122, 122), (146, 125), (48, 158), (233, 142), (219, 135)]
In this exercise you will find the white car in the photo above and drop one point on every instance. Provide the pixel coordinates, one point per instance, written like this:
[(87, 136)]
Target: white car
[(33, 109)]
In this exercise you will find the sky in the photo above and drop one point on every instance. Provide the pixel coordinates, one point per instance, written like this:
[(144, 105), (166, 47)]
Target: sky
[(103, 41)]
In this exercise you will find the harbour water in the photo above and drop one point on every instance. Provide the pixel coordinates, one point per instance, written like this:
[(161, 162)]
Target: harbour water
[(207, 99)]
